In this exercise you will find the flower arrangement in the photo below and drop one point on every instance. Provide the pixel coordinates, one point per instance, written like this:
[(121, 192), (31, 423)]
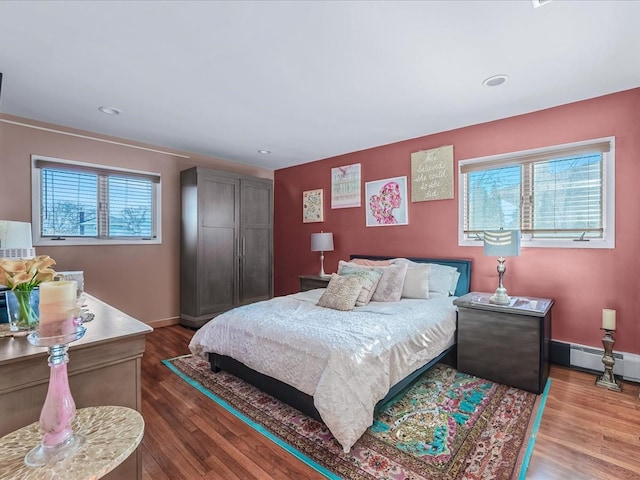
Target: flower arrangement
[(22, 277)]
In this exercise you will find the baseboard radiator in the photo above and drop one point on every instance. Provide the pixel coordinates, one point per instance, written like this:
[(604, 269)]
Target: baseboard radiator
[(627, 364)]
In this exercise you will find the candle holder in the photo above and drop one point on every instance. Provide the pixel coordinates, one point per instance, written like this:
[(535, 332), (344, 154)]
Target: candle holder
[(607, 379), (59, 409)]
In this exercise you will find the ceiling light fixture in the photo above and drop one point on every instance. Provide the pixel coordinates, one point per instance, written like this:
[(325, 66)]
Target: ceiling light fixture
[(264, 152), (539, 3), (110, 110), (495, 80)]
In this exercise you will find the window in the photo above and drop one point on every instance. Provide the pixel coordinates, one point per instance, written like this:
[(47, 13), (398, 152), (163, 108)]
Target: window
[(81, 203), (561, 196)]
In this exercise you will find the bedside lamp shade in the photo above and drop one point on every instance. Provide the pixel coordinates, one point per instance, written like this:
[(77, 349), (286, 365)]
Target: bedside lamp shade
[(501, 243), (322, 242), (15, 240)]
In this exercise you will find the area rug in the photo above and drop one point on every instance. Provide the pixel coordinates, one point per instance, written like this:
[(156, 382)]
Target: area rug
[(447, 426)]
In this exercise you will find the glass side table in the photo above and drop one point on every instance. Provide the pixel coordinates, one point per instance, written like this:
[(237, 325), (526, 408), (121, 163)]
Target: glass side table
[(111, 435)]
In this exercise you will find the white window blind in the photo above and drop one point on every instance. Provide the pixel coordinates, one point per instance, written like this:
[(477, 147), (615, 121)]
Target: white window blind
[(78, 201), (559, 193)]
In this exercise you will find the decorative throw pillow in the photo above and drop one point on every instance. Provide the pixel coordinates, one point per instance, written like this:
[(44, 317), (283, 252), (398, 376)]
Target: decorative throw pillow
[(370, 263), (369, 280), (416, 282), (341, 292), (389, 287)]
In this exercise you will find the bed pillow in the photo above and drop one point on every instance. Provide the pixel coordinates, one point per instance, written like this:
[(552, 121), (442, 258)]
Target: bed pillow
[(454, 283), (369, 280), (440, 276), (416, 282), (341, 292), (390, 285), (370, 263)]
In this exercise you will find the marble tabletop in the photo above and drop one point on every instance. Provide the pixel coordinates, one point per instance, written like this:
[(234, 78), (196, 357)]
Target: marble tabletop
[(111, 435)]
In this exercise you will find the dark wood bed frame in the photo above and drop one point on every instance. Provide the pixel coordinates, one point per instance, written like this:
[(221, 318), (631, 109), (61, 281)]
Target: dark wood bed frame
[(304, 402)]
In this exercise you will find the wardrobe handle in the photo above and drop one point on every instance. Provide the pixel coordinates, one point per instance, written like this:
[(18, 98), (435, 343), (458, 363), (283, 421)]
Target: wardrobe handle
[(244, 244)]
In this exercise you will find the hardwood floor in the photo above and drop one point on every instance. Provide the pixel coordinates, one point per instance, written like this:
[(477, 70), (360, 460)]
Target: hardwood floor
[(586, 432)]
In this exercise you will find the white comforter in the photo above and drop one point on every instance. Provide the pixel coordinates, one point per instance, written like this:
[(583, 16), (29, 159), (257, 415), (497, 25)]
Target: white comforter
[(346, 360)]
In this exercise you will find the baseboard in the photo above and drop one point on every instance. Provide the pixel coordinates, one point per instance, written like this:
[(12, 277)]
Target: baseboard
[(574, 355), (164, 322)]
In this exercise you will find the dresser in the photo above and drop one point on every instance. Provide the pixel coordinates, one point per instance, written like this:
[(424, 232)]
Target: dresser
[(104, 369)]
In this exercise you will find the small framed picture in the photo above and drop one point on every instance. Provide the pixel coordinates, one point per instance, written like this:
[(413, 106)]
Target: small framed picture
[(386, 202), (432, 174), (312, 206), (345, 186)]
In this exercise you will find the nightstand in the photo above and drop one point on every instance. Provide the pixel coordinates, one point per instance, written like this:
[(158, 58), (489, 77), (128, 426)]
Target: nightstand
[(505, 344), (309, 282)]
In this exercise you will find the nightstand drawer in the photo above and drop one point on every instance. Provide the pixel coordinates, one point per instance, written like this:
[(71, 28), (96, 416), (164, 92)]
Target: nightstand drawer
[(309, 282), (504, 345), (501, 348)]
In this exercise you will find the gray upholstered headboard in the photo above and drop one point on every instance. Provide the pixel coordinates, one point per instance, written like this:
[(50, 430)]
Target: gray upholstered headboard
[(463, 266)]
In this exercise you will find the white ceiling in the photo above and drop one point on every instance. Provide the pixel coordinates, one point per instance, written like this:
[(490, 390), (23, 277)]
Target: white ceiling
[(305, 79)]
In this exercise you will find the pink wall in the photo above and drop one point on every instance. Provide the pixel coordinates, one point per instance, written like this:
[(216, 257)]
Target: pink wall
[(143, 281), (582, 282)]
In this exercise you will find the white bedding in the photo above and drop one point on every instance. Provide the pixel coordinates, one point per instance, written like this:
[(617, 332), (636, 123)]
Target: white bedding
[(346, 360)]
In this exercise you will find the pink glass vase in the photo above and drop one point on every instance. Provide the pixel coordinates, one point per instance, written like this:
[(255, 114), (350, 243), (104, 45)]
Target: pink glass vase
[(59, 409)]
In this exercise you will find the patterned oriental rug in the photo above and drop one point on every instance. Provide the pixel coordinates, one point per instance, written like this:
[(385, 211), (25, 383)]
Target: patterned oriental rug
[(447, 426)]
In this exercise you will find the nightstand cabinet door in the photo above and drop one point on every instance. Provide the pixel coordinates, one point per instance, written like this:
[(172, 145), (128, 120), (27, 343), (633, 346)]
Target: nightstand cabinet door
[(504, 347)]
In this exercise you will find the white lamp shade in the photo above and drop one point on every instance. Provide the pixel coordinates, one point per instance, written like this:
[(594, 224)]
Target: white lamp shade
[(322, 242), (502, 243), (15, 240)]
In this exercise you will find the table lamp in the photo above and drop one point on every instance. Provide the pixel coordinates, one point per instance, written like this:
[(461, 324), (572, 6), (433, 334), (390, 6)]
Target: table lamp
[(15, 240), (322, 242), (501, 243)]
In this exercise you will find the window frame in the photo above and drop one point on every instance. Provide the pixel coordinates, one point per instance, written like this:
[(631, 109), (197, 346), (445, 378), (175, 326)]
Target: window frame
[(608, 195), (36, 206)]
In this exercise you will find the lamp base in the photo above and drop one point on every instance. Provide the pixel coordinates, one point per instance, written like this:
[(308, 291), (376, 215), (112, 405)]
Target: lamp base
[(500, 297), (607, 379), (608, 382)]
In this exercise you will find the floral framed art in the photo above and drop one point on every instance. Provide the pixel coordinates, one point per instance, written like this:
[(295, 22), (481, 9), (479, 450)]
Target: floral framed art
[(386, 202), (312, 206)]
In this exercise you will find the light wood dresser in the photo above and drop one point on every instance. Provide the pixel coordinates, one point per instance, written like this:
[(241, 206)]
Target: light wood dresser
[(104, 369)]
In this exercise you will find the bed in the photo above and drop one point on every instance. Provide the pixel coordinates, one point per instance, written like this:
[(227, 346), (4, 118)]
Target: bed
[(338, 367)]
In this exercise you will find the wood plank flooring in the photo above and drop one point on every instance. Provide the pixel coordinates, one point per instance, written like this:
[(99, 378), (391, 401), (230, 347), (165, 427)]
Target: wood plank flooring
[(586, 432)]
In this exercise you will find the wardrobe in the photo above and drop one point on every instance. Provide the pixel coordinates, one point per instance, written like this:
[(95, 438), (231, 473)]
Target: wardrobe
[(226, 243)]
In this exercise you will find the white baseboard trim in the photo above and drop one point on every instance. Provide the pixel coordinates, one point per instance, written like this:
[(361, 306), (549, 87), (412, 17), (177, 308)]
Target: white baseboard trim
[(627, 364)]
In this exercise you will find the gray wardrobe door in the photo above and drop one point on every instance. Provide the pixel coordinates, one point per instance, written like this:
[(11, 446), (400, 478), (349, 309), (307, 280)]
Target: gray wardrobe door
[(218, 256), (256, 241)]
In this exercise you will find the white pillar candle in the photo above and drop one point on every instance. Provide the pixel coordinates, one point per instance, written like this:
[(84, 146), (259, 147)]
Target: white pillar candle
[(608, 319), (57, 308)]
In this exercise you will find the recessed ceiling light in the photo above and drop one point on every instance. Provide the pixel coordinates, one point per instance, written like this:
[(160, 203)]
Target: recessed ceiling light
[(539, 3), (264, 152), (110, 110), (495, 80)]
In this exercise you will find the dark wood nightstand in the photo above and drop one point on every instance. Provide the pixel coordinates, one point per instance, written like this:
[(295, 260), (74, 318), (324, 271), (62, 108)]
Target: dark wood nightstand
[(309, 282), (505, 344)]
